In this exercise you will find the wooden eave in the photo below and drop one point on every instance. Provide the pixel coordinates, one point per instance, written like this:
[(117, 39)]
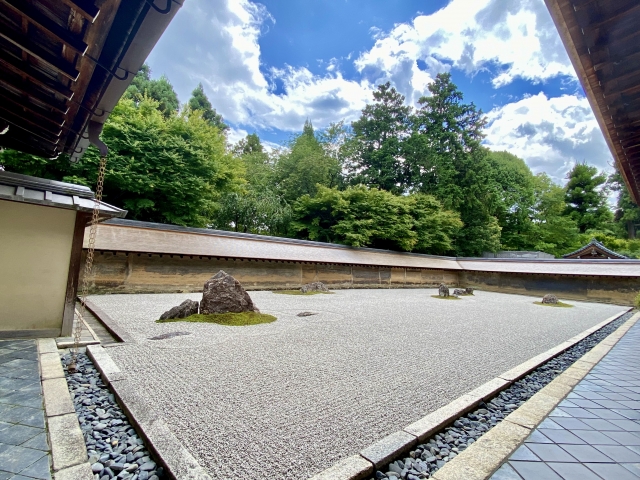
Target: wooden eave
[(47, 49), (603, 42)]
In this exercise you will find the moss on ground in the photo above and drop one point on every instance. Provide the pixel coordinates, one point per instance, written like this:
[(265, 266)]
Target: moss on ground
[(559, 304), (228, 319), (298, 292), (450, 297)]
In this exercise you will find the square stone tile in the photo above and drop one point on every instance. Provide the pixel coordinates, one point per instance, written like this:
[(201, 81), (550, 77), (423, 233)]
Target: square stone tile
[(627, 425), (548, 452), (569, 403), (592, 437), (18, 434), (587, 395), (537, 437), (562, 436), (601, 425), (535, 471), (611, 471), (7, 475), (606, 414), (581, 412), (40, 469), (506, 472), (39, 442), (575, 424), (607, 404), (619, 454), (573, 471), (22, 399), (559, 412), (633, 468), (617, 396), (525, 454), (31, 417), (624, 438), (548, 423), (587, 453), (630, 414), (585, 404), (16, 459)]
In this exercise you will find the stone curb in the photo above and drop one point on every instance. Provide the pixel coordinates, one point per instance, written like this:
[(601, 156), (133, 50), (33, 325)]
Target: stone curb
[(68, 450), (399, 442), (172, 455), (484, 457), (112, 326)]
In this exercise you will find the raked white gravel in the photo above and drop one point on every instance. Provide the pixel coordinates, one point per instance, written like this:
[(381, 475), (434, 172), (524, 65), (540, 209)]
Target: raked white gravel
[(288, 399)]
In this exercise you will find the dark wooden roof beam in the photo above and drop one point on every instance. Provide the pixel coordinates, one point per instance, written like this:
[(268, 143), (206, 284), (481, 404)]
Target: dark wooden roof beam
[(29, 145), (629, 138), (28, 126), (47, 25), (50, 133), (45, 116), (29, 46), (24, 69), (86, 8), (594, 22), (47, 102)]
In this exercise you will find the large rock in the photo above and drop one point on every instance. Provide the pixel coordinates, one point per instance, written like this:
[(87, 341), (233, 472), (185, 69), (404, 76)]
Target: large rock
[(314, 287), (550, 298), (469, 290), (184, 310), (443, 290), (459, 291), (223, 294)]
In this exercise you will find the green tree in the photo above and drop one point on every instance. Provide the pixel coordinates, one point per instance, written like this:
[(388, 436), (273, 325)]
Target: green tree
[(368, 217), (306, 165), (259, 211), (514, 195), (445, 158), (553, 232), (377, 147), (199, 101), (160, 90), (586, 197), (627, 213), (167, 170)]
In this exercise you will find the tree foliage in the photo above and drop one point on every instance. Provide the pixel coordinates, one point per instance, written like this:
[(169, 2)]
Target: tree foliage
[(159, 90), (586, 198), (161, 169), (369, 217), (200, 102)]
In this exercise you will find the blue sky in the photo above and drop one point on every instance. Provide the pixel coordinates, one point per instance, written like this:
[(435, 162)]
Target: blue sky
[(268, 66)]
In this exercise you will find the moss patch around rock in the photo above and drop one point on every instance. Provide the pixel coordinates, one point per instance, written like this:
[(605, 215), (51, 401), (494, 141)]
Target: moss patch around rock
[(228, 319), (298, 292), (559, 304), (450, 297)]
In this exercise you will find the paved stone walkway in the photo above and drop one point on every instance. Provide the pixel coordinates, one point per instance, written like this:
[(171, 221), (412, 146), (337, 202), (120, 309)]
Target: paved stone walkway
[(594, 433), (24, 451)]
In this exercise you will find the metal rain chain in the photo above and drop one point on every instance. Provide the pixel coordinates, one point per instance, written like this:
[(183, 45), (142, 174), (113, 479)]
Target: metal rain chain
[(88, 265)]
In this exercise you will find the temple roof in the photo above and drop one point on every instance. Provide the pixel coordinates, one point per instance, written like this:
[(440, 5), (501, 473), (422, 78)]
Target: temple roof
[(594, 250)]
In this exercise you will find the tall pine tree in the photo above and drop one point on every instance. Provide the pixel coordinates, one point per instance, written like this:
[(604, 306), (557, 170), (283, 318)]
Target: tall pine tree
[(199, 101)]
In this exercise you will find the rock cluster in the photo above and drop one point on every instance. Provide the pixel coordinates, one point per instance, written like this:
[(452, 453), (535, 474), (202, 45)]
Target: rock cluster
[(314, 287), (184, 310), (114, 448), (221, 294), (458, 291), (431, 455), (443, 291), (550, 298)]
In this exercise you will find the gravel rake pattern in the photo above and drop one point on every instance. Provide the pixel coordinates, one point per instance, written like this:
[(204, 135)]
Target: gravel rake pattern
[(431, 455)]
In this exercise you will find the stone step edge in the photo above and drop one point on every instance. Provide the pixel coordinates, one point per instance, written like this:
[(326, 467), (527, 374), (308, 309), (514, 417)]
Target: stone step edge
[(359, 466), (112, 326), (68, 450), (484, 457), (176, 460)]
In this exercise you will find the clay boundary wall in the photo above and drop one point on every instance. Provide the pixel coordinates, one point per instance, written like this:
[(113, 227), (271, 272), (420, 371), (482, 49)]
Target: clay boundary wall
[(136, 257)]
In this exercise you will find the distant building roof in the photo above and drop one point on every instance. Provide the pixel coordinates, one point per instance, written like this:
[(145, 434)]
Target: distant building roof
[(23, 188), (593, 250)]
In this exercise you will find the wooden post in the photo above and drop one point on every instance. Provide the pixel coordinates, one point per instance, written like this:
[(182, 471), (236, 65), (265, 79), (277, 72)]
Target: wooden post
[(75, 263)]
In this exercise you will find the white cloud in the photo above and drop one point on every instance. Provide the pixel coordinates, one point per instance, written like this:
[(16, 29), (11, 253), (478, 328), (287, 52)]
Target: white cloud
[(550, 134), (517, 36)]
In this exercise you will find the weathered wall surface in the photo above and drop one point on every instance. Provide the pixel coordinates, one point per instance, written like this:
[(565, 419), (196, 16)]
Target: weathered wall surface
[(152, 273), (35, 246), (616, 290)]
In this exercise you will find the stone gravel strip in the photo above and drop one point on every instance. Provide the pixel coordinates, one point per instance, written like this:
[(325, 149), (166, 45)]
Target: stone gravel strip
[(68, 452), (114, 448), (523, 404), (177, 461)]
